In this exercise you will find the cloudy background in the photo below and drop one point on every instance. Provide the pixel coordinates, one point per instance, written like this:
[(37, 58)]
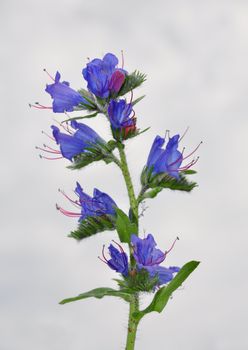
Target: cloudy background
[(195, 54)]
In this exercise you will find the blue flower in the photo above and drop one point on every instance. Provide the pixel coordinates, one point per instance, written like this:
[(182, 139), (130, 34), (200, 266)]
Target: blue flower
[(148, 257), (103, 77), (64, 97), (100, 204), (118, 261), (166, 160), (119, 115), (76, 142)]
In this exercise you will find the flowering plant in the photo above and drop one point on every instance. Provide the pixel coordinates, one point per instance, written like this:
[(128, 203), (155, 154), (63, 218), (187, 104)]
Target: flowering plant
[(139, 265)]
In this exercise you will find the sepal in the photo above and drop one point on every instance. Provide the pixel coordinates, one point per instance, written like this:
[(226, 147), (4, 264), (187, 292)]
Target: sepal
[(98, 151), (131, 82), (93, 225), (138, 282), (156, 182), (99, 293), (91, 105)]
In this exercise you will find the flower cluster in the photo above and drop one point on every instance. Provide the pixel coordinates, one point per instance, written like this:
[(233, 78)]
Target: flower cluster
[(147, 257), (107, 83)]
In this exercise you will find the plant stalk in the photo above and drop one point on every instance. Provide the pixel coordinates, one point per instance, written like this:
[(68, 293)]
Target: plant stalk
[(134, 303)]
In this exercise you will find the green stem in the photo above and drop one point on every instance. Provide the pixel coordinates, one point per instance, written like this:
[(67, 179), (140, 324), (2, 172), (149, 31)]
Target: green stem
[(134, 303), (129, 184), (132, 323)]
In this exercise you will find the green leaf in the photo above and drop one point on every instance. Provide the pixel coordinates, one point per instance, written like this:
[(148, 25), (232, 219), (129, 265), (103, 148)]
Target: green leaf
[(93, 225), (151, 194), (124, 226), (163, 295), (99, 293), (131, 82), (189, 172), (137, 100), (83, 117)]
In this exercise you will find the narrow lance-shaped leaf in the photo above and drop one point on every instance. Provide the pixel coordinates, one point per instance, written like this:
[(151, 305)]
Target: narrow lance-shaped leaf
[(99, 293), (162, 296), (124, 226)]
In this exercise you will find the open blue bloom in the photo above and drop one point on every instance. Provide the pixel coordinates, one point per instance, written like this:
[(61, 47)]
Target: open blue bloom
[(148, 257), (120, 117), (76, 142), (103, 77), (166, 160), (100, 204), (64, 97), (118, 259)]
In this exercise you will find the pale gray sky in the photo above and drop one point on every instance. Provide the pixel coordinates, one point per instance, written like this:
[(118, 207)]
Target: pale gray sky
[(195, 54)]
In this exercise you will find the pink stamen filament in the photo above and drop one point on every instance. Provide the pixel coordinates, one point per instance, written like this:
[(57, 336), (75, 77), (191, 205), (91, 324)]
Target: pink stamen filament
[(103, 253), (67, 213), (47, 158), (48, 151), (185, 132), (49, 136), (167, 251), (76, 203), (48, 74), (105, 262), (52, 149), (193, 151), (121, 249), (63, 126), (39, 106)]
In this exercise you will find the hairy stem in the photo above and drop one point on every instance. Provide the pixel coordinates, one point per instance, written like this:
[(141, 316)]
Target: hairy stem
[(134, 303), (128, 181), (132, 323)]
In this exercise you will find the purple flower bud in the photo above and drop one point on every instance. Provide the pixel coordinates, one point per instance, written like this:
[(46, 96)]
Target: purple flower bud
[(103, 77)]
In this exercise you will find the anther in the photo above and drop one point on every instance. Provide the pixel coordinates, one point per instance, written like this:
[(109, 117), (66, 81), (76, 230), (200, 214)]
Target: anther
[(48, 74), (172, 246)]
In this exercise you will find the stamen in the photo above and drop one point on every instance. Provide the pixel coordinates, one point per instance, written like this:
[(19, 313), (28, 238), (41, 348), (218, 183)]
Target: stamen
[(121, 249), (76, 203), (103, 253), (49, 136), (102, 260), (189, 165), (193, 151), (45, 150), (167, 251), (185, 132), (66, 128), (52, 149), (37, 105), (47, 158), (178, 160), (48, 74), (67, 213)]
